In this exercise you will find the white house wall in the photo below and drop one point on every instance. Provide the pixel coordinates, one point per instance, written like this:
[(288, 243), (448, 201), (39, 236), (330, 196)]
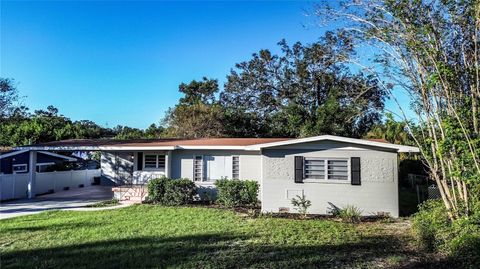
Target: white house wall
[(378, 191), (117, 166), (250, 163)]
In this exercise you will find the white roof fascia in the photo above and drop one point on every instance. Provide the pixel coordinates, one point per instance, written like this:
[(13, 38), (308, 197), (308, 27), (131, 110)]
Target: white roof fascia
[(107, 148), (212, 147), (58, 155), (6, 155), (398, 148)]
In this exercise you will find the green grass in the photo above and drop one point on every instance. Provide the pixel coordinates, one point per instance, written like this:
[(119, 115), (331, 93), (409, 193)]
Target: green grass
[(149, 236)]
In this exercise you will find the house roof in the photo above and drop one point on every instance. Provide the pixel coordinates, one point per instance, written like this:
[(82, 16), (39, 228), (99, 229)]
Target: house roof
[(355, 141), (16, 152), (155, 144), (254, 144)]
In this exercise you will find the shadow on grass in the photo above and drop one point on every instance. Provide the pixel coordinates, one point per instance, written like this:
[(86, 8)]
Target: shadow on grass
[(210, 251)]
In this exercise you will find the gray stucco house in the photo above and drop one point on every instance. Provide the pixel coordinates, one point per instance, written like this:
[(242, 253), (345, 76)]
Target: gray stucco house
[(326, 169)]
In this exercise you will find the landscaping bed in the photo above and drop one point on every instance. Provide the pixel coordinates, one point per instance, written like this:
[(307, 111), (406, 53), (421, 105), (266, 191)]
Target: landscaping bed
[(153, 236)]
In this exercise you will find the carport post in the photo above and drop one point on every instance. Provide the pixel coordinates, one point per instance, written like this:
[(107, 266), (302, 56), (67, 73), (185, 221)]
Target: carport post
[(32, 173)]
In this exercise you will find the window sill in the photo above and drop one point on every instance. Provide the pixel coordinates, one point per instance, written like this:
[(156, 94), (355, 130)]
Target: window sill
[(326, 181), (204, 182)]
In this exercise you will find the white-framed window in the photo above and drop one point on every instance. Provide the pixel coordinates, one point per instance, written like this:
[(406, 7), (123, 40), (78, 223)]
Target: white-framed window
[(326, 169), (20, 168), (42, 167), (235, 167), (198, 171), (154, 162)]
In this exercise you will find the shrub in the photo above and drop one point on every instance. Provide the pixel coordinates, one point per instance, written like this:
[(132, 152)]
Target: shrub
[(350, 214), (434, 231), (156, 189), (465, 241), (301, 204), (168, 191), (179, 192), (428, 223), (237, 193), (250, 193)]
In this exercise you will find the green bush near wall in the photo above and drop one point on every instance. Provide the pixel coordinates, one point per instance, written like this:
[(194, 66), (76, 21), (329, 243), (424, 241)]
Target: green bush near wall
[(237, 193), (459, 239), (167, 191)]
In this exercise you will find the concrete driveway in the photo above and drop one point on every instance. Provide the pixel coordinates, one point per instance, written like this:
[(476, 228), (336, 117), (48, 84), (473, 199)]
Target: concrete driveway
[(70, 199)]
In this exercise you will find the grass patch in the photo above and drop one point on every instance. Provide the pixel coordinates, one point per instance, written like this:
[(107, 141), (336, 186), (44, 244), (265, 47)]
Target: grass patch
[(149, 236)]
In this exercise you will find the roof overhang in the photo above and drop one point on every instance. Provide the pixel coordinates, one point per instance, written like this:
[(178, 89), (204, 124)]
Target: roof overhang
[(398, 148), (23, 150), (13, 153), (94, 148), (110, 148), (255, 147)]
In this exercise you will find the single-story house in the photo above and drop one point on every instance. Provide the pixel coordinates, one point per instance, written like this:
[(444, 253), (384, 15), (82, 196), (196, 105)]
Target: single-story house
[(17, 161), (328, 170)]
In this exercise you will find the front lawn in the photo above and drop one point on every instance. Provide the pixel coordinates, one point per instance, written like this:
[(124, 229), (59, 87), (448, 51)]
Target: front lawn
[(147, 236)]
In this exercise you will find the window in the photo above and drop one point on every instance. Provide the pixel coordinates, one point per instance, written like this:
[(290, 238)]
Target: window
[(198, 168), (19, 168), (154, 161), (235, 167), (43, 167), (314, 168), (322, 169), (337, 170)]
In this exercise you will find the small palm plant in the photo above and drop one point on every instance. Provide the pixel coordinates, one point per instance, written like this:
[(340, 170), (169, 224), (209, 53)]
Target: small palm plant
[(301, 204), (350, 214)]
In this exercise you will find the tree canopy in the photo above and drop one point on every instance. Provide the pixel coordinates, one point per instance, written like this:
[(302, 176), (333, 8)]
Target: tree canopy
[(306, 90)]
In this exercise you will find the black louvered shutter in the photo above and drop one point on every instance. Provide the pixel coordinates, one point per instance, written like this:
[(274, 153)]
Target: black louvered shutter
[(139, 160), (298, 169), (355, 171)]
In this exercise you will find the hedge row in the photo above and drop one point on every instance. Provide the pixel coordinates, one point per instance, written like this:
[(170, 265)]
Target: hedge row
[(230, 193)]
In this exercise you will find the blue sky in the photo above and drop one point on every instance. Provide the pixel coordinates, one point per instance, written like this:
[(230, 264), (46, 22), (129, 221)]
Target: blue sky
[(121, 62)]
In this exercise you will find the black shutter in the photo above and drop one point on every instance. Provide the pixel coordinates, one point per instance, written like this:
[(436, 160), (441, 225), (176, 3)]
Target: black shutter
[(298, 169), (139, 160), (355, 171)]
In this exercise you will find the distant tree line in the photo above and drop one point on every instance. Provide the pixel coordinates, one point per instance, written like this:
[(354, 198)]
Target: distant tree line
[(19, 126)]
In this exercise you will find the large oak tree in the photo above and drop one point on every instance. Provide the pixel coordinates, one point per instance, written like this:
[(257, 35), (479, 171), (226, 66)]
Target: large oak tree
[(305, 90)]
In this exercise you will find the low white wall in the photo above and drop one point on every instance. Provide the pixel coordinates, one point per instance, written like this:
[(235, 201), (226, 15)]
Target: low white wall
[(14, 186), (142, 177)]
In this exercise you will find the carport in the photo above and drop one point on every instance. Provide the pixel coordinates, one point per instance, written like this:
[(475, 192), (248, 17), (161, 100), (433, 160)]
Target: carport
[(72, 199), (56, 146)]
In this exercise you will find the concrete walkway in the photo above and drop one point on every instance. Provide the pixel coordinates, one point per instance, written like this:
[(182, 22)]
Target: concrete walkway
[(72, 199)]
